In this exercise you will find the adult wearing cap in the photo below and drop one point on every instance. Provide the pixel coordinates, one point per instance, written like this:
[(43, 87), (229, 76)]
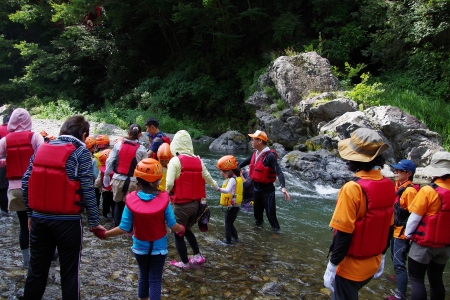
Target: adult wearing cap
[(429, 226), (186, 177), (405, 192), (264, 170), (16, 150), (157, 137), (363, 217)]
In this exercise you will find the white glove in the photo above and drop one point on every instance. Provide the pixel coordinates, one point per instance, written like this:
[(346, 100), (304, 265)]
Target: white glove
[(106, 181), (381, 268), (328, 277)]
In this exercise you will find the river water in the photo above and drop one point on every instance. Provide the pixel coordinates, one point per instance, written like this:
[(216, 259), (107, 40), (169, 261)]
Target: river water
[(260, 266)]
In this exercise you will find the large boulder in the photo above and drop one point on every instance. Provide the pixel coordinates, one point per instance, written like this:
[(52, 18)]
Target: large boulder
[(406, 136), (409, 137), (287, 82), (229, 141), (295, 77), (320, 165)]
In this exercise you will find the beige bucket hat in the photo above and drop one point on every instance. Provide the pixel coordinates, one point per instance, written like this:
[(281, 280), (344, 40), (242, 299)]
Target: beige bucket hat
[(363, 145), (439, 166)]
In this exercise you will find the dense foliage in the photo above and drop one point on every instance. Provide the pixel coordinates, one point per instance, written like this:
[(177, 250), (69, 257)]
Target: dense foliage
[(198, 60)]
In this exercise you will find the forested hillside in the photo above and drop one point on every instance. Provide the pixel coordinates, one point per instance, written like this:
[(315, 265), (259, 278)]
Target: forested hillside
[(198, 60)]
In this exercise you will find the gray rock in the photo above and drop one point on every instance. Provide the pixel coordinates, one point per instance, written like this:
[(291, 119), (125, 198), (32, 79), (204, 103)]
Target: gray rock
[(295, 77), (317, 165), (230, 140), (279, 149), (409, 138)]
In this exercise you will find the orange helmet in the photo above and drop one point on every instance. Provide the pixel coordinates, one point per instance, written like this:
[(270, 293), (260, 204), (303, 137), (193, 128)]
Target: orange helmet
[(103, 156), (148, 169), (43, 133), (102, 139), (164, 151), (227, 162), (90, 142)]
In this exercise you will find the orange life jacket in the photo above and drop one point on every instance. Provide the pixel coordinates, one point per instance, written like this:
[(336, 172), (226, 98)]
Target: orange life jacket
[(260, 172), (148, 216), (371, 232), (190, 186), (18, 153), (49, 189), (434, 231)]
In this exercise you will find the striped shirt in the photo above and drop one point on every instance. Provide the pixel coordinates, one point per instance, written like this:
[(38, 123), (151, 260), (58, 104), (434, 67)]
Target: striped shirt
[(78, 167)]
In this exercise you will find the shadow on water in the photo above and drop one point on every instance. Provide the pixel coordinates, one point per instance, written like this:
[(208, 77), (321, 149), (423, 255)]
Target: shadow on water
[(261, 265)]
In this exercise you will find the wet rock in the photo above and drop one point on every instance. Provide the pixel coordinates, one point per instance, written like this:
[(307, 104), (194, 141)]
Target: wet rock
[(229, 141), (272, 288)]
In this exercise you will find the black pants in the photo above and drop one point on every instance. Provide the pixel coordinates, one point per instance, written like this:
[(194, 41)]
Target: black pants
[(45, 236), (4, 199), (108, 203), (265, 200), (118, 210), (230, 216), (345, 289), (24, 234), (416, 272)]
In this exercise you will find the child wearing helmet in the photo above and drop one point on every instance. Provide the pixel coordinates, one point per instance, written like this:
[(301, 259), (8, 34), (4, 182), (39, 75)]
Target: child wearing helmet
[(164, 155), (231, 195), (90, 144), (101, 143), (106, 191), (147, 212)]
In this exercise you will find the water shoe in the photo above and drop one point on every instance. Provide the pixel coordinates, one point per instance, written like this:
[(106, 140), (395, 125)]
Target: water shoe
[(180, 264), (197, 259)]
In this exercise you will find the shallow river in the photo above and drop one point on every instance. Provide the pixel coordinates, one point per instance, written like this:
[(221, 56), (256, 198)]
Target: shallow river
[(261, 266)]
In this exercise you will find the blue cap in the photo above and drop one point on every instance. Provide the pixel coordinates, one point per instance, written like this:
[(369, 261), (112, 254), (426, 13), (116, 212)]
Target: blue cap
[(405, 165)]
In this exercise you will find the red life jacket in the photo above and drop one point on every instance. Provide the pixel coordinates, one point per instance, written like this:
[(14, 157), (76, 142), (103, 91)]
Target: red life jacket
[(371, 232), (126, 161), (3, 130), (50, 189), (190, 186), (102, 174), (259, 172), (434, 231), (18, 153), (148, 216)]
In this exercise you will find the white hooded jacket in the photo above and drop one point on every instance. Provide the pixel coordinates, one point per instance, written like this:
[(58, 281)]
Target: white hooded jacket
[(182, 144)]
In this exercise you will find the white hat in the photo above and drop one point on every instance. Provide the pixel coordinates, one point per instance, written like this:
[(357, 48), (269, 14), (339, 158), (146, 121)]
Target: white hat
[(439, 166)]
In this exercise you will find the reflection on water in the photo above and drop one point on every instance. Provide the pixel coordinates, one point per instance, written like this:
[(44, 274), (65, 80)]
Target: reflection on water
[(260, 266)]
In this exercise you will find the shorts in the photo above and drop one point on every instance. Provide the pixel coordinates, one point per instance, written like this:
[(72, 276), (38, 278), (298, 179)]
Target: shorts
[(186, 213), (15, 200), (117, 185), (424, 255)]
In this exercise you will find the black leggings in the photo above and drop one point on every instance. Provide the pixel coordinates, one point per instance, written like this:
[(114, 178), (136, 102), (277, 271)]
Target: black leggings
[(230, 216), (416, 272), (181, 245), (24, 234)]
